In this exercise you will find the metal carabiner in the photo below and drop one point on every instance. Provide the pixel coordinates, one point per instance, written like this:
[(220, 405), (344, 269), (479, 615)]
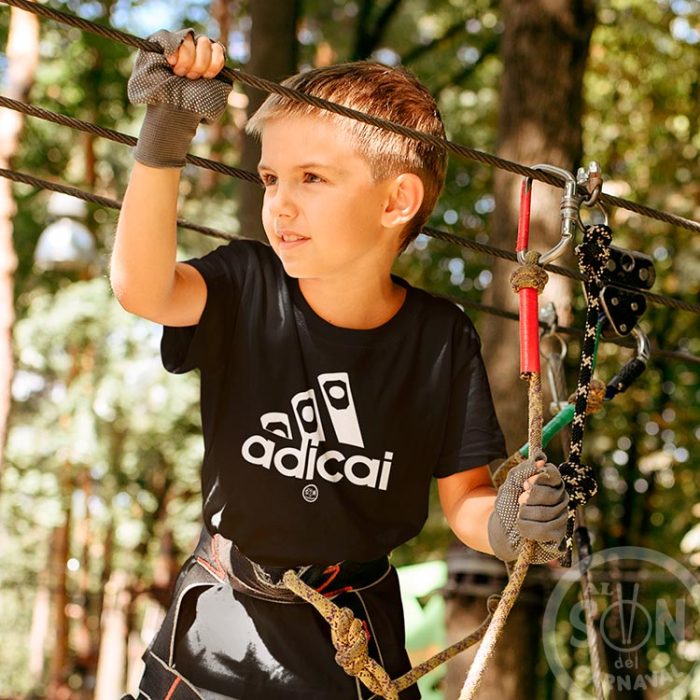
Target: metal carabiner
[(633, 368), (555, 354), (643, 344), (570, 217)]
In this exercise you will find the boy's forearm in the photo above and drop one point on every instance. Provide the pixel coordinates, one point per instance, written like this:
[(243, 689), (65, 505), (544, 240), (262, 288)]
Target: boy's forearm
[(469, 518), (144, 254)]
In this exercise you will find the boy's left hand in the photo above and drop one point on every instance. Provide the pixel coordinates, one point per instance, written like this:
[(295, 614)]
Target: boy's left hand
[(531, 504), (543, 503)]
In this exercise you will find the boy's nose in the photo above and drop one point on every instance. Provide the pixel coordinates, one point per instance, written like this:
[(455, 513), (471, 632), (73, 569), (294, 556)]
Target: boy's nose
[(282, 203)]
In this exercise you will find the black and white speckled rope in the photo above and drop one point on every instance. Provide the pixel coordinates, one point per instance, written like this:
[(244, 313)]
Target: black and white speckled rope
[(592, 256)]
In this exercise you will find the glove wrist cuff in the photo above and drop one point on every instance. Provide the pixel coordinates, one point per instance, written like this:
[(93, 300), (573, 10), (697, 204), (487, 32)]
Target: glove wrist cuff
[(166, 134)]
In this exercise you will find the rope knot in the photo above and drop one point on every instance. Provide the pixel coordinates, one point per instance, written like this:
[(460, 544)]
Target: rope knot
[(350, 642), (596, 396), (592, 255), (352, 654), (529, 276)]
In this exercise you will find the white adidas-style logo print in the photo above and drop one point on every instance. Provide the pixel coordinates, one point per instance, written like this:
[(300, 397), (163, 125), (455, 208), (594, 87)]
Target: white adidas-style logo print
[(308, 460)]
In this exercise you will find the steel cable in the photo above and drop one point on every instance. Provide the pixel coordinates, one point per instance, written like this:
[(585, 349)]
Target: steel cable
[(109, 203), (112, 135), (234, 74), (80, 125)]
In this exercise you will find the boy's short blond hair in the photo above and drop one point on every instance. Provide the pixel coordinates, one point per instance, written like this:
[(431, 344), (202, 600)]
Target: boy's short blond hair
[(393, 94)]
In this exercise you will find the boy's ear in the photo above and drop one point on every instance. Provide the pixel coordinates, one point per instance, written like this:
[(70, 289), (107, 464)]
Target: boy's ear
[(404, 200)]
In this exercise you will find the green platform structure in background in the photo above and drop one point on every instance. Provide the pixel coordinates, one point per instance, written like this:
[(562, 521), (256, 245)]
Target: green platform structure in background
[(424, 612)]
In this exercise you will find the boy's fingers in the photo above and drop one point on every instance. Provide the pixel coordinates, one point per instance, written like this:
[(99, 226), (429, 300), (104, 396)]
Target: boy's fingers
[(218, 59), (543, 495), (551, 530), (530, 482), (202, 58), (185, 56)]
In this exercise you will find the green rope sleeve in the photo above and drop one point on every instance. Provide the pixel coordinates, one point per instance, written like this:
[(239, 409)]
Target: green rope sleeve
[(566, 415)]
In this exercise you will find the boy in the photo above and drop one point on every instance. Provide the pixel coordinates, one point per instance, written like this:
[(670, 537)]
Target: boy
[(332, 391)]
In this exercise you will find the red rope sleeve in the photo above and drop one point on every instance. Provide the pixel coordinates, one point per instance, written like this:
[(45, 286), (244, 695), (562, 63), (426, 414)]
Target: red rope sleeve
[(529, 331)]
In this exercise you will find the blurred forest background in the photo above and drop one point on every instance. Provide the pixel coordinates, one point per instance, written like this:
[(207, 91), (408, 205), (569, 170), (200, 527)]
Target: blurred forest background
[(99, 491)]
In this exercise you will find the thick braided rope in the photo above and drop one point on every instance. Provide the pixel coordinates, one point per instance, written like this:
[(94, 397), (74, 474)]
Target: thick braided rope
[(350, 641), (533, 276), (232, 74), (521, 566), (495, 629), (592, 256)]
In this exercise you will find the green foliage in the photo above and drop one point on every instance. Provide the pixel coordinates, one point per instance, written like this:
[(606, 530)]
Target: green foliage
[(93, 405)]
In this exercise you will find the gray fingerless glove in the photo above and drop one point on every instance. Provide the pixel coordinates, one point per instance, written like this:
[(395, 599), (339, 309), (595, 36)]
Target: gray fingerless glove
[(176, 104), (542, 519)]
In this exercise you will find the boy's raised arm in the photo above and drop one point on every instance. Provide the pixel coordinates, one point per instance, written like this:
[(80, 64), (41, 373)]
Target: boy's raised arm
[(179, 93)]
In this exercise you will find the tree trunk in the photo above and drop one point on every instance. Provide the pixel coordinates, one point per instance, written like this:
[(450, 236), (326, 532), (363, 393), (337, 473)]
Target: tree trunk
[(368, 38), (273, 55), (221, 12), (22, 58), (112, 664), (85, 634), (59, 658), (39, 630), (544, 50)]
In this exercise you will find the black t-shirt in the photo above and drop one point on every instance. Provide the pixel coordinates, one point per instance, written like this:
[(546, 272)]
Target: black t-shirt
[(320, 441)]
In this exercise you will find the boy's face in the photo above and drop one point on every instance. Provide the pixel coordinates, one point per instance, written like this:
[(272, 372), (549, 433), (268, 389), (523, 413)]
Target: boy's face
[(322, 210)]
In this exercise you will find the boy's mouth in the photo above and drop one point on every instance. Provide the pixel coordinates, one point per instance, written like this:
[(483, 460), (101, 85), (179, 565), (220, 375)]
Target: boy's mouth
[(288, 240)]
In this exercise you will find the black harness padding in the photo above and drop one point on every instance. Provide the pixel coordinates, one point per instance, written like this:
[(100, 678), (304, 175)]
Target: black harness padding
[(217, 561)]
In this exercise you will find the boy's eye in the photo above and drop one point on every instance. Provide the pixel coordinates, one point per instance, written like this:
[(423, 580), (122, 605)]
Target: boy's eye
[(268, 180), (312, 177)]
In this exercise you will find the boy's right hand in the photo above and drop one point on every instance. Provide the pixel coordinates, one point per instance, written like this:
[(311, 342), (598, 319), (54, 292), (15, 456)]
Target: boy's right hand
[(180, 90)]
